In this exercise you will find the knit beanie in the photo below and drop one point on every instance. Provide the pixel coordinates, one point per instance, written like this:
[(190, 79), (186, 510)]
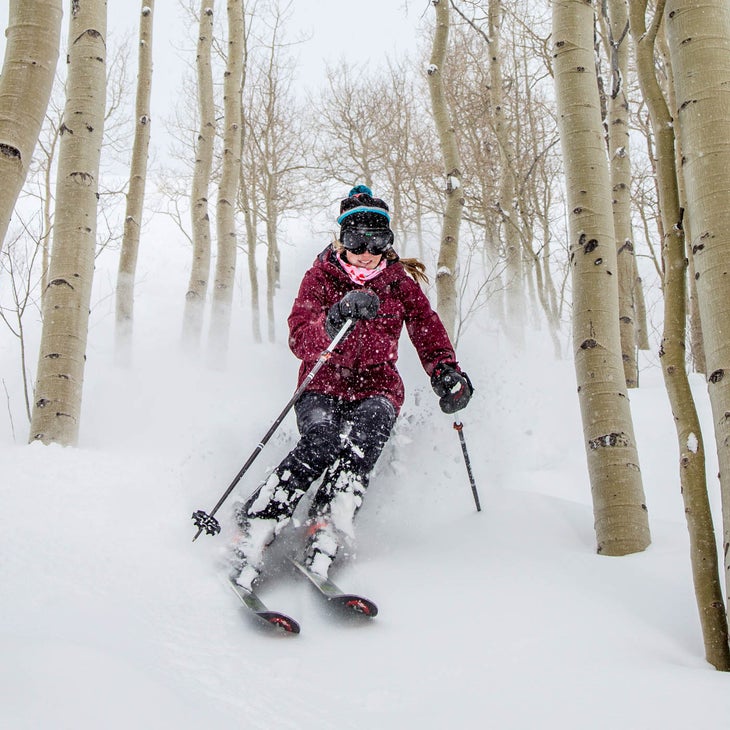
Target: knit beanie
[(360, 209)]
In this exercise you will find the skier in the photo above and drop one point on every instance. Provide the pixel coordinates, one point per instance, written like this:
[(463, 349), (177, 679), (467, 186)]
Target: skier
[(347, 412)]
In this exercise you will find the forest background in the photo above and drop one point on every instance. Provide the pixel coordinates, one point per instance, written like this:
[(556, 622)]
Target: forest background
[(503, 231)]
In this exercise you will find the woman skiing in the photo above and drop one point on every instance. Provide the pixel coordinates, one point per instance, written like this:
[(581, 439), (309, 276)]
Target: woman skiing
[(346, 413)]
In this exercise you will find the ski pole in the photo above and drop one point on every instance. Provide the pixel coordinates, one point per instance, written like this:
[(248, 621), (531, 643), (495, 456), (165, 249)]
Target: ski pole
[(459, 427), (207, 521)]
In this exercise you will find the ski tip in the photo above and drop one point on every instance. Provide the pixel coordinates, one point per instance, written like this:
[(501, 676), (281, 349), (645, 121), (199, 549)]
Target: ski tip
[(281, 622), (363, 606)]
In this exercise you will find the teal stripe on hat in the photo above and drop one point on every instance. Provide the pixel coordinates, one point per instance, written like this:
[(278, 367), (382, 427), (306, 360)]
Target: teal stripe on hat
[(363, 209)]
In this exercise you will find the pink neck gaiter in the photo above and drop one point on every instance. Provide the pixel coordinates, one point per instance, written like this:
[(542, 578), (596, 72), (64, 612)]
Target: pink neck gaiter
[(359, 274)]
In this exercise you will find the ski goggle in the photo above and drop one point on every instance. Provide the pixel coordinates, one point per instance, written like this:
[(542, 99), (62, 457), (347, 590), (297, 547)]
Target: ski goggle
[(373, 240)]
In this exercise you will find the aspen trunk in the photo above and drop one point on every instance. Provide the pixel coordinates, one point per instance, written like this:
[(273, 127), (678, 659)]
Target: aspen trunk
[(447, 303), (135, 193), (31, 55), (199, 209), (62, 357), (696, 345), (273, 263), (698, 37), (515, 294), (621, 521), (620, 161), (47, 210), (642, 329), (225, 268), (703, 546), (250, 217)]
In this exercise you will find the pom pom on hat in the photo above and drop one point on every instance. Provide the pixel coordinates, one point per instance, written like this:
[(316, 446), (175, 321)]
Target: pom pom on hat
[(360, 189), (360, 208)]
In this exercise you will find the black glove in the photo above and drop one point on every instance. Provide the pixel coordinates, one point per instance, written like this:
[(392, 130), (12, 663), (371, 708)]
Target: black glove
[(453, 388), (356, 304)]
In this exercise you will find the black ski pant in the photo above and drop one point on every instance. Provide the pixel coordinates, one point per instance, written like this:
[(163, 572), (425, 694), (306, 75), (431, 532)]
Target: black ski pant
[(344, 438)]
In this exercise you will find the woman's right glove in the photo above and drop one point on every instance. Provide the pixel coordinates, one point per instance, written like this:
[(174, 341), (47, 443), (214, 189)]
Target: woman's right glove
[(453, 388), (356, 304)]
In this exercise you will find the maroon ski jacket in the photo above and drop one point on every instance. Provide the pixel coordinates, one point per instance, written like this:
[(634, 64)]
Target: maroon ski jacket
[(364, 363)]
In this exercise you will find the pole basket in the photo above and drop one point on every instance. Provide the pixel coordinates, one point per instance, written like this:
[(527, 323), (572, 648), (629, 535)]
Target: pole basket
[(205, 523)]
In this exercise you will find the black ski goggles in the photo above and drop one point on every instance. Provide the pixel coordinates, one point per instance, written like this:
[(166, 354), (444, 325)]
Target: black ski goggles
[(373, 240)]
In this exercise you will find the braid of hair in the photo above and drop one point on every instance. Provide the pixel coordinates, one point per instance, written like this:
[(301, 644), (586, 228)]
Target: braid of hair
[(417, 269)]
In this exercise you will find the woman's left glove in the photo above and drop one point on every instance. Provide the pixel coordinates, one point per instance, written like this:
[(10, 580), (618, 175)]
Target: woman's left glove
[(453, 387)]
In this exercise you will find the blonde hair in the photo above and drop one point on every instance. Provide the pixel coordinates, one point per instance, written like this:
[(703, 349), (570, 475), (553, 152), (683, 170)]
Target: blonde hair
[(415, 268)]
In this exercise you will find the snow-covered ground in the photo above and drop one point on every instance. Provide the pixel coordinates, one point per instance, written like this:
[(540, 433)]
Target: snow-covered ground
[(111, 617)]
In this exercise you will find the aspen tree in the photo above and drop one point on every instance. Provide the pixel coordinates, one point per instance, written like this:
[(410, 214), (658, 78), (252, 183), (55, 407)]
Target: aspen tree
[(397, 137), (621, 521), (446, 291), (273, 85), (136, 189), (515, 295), (349, 116), (31, 55), (506, 130), (62, 356), (248, 206), (619, 151), (199, 208), (703, 548), (369, 127), (698, 39), (696, 345), (225, 268)]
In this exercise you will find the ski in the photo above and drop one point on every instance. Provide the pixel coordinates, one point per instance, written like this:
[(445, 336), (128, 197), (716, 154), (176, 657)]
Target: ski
[(336, 596), (258, 608)]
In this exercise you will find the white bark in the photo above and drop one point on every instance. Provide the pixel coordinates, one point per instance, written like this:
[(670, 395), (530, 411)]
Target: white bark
[(446, 290), (515, 277), (225, 268), (136, 190), (620, 161), (31, 55), (200, 210), (62, 357), (621, 521), (703, 547), (698, 37)]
